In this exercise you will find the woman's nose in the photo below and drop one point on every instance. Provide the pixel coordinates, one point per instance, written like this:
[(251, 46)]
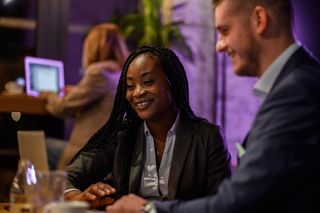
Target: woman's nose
[(138, 91)]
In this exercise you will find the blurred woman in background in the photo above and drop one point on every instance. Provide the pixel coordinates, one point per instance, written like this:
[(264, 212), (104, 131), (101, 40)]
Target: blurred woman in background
[(90, 101)]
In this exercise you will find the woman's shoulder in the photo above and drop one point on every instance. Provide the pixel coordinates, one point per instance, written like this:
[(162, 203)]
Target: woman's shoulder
[(203, 132), (200, 126), (204, 125)]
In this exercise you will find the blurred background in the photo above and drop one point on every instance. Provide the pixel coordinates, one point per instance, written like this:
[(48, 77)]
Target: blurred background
[(56, 29)]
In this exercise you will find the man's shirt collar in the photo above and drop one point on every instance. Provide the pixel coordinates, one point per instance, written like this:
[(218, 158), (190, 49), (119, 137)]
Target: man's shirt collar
[(268, 78)]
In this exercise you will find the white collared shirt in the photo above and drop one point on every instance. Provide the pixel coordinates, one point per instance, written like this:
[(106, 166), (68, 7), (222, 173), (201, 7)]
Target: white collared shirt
[(154, 184), (268, 78)]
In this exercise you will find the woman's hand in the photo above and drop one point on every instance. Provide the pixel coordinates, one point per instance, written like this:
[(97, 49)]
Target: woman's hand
[(67, 88), (45, 95), (96, 195)]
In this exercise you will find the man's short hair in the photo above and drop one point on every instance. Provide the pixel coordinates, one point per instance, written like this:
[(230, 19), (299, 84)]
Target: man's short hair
[(280, 9)]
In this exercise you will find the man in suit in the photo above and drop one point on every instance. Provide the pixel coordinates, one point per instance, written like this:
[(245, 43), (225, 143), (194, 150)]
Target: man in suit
[(280, 171)]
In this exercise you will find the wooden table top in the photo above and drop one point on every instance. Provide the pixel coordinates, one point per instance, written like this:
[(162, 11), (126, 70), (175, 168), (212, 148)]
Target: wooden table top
[(4, 207), (22, 103)]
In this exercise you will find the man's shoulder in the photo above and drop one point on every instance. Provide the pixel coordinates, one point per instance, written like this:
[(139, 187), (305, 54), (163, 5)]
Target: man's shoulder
[(306, 66), (304, 78), (301, 76)]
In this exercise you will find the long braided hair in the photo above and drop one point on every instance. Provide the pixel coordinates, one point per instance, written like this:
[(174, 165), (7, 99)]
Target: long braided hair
[(122, 113)]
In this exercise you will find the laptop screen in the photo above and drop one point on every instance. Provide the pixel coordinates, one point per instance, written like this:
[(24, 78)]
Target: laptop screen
[(43, 75)]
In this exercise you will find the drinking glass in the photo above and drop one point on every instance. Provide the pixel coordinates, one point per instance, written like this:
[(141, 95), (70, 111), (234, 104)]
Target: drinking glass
[(66, 207), (50, 187)]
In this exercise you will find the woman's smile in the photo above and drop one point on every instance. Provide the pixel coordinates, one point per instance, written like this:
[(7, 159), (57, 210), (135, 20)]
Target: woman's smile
[(143, 105)]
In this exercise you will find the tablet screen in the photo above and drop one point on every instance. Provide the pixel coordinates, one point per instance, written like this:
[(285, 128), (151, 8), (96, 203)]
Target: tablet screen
[(43, 75)]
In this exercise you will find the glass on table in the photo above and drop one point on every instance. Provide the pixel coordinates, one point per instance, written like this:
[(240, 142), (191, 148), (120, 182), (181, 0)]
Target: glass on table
[(50, 187), (23, 188), (66, 207)]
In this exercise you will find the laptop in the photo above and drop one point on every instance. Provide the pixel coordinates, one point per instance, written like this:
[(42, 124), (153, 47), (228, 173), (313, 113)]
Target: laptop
[(43, 75), (32, 146)]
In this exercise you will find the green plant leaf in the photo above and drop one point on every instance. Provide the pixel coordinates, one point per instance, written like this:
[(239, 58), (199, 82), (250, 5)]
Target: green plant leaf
[(147, 28)]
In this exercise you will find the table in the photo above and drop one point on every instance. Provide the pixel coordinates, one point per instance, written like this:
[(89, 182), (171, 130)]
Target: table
[(4, 207), (22, 103)]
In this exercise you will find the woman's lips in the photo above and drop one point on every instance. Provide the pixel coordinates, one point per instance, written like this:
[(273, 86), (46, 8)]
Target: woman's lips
[(142, 105)]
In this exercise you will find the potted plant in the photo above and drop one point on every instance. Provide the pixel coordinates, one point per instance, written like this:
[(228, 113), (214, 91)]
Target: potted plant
[(146, 27)]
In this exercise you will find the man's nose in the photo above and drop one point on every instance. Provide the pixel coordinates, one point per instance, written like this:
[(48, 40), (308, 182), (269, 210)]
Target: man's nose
[(221, 46)]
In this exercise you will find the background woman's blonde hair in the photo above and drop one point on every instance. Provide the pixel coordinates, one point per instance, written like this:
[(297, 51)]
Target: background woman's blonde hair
[(104, 42)]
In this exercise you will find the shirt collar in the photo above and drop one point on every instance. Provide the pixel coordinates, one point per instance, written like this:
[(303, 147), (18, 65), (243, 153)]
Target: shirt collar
[(268, 78), (172, 130)]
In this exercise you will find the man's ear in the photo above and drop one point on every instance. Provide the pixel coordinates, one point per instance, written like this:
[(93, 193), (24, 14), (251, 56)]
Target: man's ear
[(260, 19)]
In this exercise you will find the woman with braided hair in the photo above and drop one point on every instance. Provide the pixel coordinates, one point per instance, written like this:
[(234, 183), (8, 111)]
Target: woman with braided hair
[(153, 144)]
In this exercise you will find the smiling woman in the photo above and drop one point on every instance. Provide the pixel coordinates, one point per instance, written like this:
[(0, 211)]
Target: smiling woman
[(148, 91), (153, 144)]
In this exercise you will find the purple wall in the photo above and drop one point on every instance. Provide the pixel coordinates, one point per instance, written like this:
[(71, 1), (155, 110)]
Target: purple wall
[(307, 24), (236, 106)]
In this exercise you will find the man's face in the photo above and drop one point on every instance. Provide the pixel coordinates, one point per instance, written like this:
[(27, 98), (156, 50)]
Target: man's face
[(236, 38)]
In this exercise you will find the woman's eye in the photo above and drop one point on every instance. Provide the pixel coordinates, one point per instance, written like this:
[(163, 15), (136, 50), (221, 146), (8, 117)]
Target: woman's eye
[(130, 87), (148, 82)]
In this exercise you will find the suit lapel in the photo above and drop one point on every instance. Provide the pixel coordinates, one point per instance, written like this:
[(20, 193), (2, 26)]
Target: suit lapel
[(182, 146), (137, 162)]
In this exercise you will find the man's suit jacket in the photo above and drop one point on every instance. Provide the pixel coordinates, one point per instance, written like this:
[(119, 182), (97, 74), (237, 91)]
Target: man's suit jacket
[(200, 162), (280, 171)]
